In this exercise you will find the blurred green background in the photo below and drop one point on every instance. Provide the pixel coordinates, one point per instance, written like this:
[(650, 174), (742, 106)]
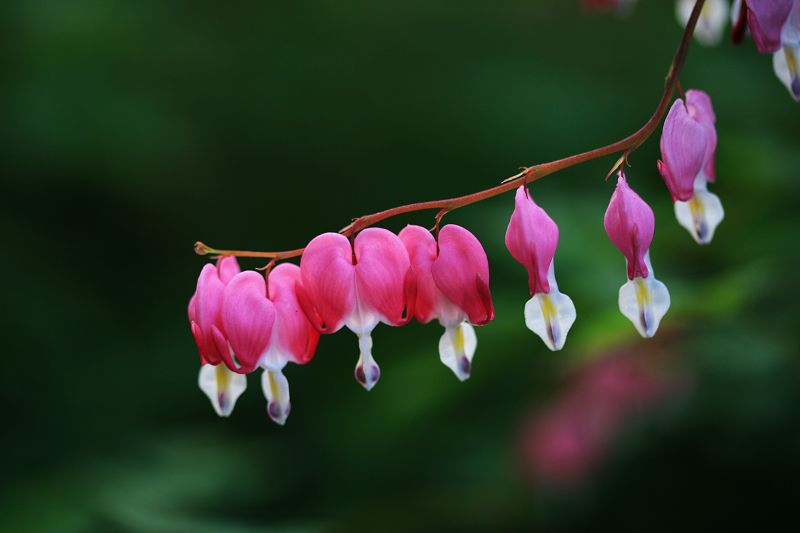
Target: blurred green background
[(132, 129)]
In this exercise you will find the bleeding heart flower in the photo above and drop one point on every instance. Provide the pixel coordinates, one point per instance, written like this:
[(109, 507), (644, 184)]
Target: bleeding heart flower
[(684, 142), (630, 225), (222, 386), (452, 285), (703, 212), (786, 60), (293, 339), (532, 238), (766, 19), (711, 24), (357, 286)]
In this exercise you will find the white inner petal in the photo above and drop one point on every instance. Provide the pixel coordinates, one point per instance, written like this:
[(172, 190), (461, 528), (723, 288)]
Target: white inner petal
[(711, 24), (644, 301), (367, 371), (701, 214), (550, 316), (222, 387), (786, 63), (276, 391), (457, 348)]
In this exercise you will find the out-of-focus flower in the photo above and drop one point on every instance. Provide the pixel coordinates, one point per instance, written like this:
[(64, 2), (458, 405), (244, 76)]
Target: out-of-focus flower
[(787, 59), (452, 285), (222, 385), (357, 286), (711, 24), (703, 212), (532, 238), (607, 5), (565, 441), (630, 225), (765, 19)]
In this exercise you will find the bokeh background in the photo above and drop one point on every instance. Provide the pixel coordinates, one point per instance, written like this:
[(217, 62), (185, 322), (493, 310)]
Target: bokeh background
[(131, 129)]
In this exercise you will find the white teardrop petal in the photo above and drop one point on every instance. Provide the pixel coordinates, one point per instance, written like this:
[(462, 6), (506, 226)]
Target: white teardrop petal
[(786, 63), (367, 370), (550, 316), (457, 348), (644, 301), (222, 387), (701, 215), (711, 24), (276, 391)]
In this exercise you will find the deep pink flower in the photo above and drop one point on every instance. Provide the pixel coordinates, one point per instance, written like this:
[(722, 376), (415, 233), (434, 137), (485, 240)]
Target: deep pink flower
[(532, 238), (452, 285), (293, 339), (630, 225), (357, 286), (766, 18), (699, 107), (683, 150)]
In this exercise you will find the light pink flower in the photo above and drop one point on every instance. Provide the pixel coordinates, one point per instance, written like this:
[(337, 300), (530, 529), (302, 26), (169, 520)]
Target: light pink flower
[(452, 285), (684, 141), (766, 18), (630, 224), (357, 286), (703, 212), (532, 238)]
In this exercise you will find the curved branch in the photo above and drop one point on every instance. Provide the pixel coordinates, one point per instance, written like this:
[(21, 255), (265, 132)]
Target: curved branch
[(528, 175)]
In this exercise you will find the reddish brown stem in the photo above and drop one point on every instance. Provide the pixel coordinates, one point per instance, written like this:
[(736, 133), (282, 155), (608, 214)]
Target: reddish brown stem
[(528, 175)]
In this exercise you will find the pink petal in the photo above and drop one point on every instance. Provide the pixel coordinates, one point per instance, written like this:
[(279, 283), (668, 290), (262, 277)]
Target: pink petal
[(328, 274), (532, 238), (683, 150), (204, 313), (421, 247), (247, 317), (382, 265), (630, 225), (461, 272), (699, 106), (766, 19), (293, 333), (227, 268)]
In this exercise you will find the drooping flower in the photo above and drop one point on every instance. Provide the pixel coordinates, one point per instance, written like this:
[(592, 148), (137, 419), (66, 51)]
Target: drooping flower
[(357, 286), (293, 339), (452, 285), (630, 224), (532, 238), (786, 60), (684, 142), (703, 212), (711, 24), (766, 19), (222, 386)]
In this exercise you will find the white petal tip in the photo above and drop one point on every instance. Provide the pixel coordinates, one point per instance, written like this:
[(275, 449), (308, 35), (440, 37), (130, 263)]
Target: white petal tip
[(701, 215), (276, 391), (222, 387), (644, 301), (550, 316), (368, 374), (277, 413), (457, 348)]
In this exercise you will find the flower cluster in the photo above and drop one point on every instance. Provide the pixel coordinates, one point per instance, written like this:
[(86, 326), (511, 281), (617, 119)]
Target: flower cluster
[(773, 24), (242, 321)]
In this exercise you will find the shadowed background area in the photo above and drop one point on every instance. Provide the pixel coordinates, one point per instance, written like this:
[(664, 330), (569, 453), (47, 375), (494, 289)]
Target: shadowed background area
[(132, 129)]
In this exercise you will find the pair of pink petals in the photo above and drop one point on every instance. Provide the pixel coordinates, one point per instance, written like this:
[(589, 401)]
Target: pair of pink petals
[(766, 19)]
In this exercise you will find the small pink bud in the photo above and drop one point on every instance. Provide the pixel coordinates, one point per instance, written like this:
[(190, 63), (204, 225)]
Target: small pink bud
[(630, 225), (683, 150), (532, 238)]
